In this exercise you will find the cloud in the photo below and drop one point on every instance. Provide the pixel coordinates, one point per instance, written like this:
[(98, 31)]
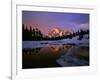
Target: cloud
[(84, 26)]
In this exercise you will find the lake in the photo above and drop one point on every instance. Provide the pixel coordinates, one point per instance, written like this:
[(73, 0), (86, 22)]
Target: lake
[(47, 54)]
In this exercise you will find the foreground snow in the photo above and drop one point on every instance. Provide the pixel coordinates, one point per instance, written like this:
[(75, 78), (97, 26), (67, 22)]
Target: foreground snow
[(71, 57)]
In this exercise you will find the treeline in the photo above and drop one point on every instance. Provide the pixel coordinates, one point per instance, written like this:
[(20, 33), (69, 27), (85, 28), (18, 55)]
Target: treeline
[(29, 34), (79, 33)]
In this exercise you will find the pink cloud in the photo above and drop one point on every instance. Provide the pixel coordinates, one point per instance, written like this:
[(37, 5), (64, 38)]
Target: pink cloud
[(84, 26)]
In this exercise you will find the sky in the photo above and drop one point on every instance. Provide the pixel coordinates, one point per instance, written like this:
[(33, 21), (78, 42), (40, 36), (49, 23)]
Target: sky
[(45, 21)]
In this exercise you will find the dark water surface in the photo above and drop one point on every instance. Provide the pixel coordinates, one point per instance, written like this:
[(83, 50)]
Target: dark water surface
[(55, 56)]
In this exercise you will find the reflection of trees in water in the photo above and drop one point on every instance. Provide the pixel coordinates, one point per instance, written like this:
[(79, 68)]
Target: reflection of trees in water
[(36, 50), (59, 48), (31, 51), (50, 48), (67, 46)]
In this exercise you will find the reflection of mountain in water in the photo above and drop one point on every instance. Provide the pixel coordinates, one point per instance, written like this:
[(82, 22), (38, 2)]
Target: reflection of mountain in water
[(43, 57), (61, 53), (59, 48)]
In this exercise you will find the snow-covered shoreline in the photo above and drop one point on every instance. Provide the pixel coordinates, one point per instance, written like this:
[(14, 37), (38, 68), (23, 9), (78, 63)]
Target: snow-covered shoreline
[(38, 44), (71, 57)]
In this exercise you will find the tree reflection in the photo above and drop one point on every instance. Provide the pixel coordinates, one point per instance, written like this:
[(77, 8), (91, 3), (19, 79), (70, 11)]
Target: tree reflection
[(31, 51)]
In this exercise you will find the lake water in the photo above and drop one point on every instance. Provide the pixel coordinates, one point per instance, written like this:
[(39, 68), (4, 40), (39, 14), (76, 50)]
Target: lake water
[(50, 54)]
